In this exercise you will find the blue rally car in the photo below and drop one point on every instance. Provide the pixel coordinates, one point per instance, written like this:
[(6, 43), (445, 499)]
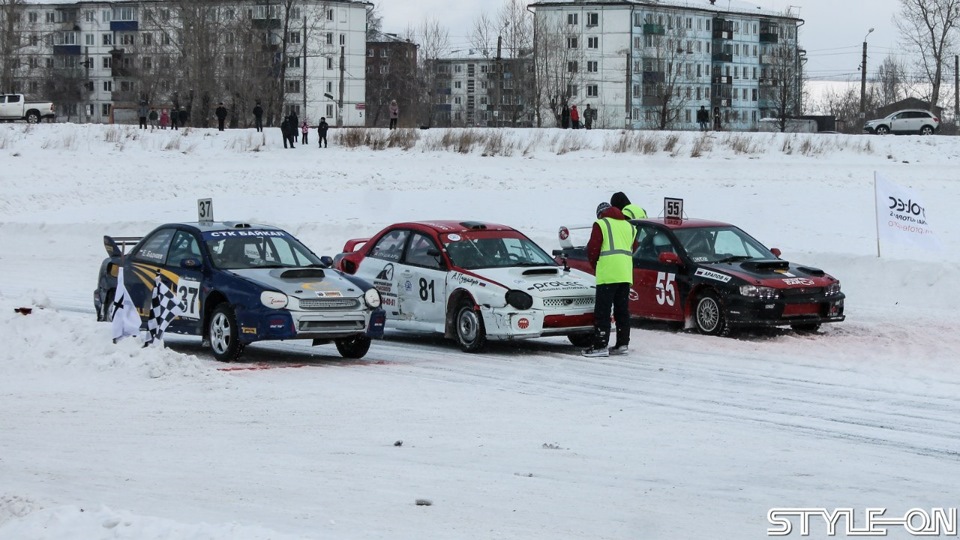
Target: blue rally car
[(242, 283)]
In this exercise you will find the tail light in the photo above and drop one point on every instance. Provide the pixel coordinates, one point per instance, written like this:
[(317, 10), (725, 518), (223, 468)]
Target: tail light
[(935, 119)]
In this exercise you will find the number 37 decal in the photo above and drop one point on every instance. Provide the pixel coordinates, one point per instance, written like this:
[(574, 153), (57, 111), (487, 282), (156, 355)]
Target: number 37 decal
[(666, 288)]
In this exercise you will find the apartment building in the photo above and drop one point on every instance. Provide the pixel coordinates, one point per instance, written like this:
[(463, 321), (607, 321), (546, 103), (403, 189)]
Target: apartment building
[(654, 64), (476, 88), (97, 60), (391, 75)]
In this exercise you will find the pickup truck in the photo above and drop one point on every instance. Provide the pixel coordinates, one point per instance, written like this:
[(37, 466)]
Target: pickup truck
[(15, 107)]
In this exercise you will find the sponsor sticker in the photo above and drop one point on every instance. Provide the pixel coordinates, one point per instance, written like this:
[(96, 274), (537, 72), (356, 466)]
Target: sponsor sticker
[(710, 274), (453, 237), (546, 286), (463, 279), (799, 281), (248, 330), (523, 323)]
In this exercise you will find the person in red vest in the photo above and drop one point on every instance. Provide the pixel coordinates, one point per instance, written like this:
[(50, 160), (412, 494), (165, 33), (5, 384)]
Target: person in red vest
[(574, 117)]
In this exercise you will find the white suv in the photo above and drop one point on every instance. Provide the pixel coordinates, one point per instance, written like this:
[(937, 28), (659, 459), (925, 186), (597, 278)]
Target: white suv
[(906, 121)]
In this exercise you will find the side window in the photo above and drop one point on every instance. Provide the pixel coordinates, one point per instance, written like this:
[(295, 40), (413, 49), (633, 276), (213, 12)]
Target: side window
[(184, 246), (13, 98), (418, 254), (651, 243), (390, 247), (154, 249)]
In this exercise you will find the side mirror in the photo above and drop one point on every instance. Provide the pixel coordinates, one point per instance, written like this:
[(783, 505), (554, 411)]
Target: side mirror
[(326, 261), (191, 263), (776, 252), (669, 257)]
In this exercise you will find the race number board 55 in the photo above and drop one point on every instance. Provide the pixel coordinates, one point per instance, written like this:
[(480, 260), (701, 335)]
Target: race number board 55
[(672, 208)]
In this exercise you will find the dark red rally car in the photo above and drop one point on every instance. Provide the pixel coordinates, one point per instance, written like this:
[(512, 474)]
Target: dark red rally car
[(714, 277)]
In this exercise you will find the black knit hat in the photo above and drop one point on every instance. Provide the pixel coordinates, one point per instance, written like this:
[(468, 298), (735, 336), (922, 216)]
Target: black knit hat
[(619, 199)]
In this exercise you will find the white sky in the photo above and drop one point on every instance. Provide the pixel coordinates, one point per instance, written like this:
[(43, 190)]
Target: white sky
[(833, 33)]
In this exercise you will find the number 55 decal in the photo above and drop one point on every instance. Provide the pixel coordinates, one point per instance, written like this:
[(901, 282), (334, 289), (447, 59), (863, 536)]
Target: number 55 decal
[(666, 288)]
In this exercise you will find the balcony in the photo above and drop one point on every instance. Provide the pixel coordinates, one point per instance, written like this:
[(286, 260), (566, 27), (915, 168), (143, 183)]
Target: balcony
[(651, 101), (723, 57), (720, 102), (722, 35), (767, 81), (67, 50), (654, 29), (769, 37), (722, 79), (124, 26), (267, 24), (654, 77)]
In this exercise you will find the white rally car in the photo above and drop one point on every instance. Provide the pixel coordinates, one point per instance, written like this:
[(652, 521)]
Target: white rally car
[(472, 282)]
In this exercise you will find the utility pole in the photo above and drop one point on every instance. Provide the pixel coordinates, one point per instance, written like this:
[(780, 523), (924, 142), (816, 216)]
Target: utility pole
[(340, 99), (627, 121), (304, 41), (863, 79), (499, 92), (956, 90)]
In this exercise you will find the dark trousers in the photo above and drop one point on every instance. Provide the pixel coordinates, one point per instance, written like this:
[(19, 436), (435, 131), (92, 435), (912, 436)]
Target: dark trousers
[(323, 141), (286, 139), (616, 295), (220, 123), (303, 139), (393, 123), (258, 122), (143, 122)]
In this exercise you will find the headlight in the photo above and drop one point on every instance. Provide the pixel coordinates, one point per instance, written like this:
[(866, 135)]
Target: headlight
[(763, 293), (273, 300), (832, 289), (372, 298), (519, 299)]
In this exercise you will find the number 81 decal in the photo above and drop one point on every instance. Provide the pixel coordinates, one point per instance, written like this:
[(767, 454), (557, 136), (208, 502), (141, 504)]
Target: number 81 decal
[(666, 288)]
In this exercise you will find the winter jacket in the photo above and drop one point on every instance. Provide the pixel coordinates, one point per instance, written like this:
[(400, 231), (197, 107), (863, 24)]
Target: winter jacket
[(322, 128), (221, 112), (596, 236)]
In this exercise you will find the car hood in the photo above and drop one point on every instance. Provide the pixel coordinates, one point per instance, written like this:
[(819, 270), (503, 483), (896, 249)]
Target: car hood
[(775, 273), (540, 281), (303, 282)]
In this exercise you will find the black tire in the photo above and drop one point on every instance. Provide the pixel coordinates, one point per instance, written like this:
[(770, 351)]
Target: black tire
[(710, 316), (581, 340), (33, 117), (882, 130), (224, 334), (807, 328), (353, 347), (106, 309), (926, 130), (471, 335)]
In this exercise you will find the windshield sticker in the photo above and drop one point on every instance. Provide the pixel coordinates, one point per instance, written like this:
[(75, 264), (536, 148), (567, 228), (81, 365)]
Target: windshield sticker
[(152, 255), (710, 274), (241, 234), (328, 294), (453, 237), (799, 281), (701, 259)]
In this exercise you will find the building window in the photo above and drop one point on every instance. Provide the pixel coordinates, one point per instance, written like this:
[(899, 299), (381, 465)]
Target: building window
[(107, 62), (456, 84), (126, 86), (293, 87), (592, 90), (593, 42), (593, 19), (572, 90), (572, 43), (370, 53), (127, 39), (592, 66), (294, 37), (343, 39), (124, 14), (105, 109), (329, 111), (33, 16), (571, 18), (107, 39), (148, 63), (147, 38), (329, 38), (89, 39), (329, 63), (293, 62), (383, 53), (572, 67)]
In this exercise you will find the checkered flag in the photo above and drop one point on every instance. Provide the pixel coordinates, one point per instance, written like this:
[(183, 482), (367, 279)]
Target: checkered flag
[(164, 308)]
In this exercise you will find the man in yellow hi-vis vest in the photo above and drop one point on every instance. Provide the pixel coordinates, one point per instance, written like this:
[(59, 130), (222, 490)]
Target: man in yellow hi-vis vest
[(610, 251), (620, 201)]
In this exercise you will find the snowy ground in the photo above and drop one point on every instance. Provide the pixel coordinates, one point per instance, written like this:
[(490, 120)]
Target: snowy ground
[(688, 437)]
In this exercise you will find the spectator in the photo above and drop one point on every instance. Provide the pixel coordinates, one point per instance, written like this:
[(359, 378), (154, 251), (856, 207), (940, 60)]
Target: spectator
[(221, 113), (288, 129), (610, 252), (258, 116), (394, 114), (588, 114), (142, 112), (574, 117), (184, 116), (703, 118), (322, 128), (175, 117), (565, 116), (716, 119), (164, 119), (305, 131), (153, 117), (294, 125)]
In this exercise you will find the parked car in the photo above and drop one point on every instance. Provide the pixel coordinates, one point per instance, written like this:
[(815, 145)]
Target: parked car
[(472, 282), (242, 283), (714, 277), (910, 121), (16, 107)]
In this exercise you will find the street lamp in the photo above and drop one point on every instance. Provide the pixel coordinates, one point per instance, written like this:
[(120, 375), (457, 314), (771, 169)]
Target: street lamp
[(863, 77)]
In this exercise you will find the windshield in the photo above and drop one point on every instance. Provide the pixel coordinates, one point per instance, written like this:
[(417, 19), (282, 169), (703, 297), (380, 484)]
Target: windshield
[(237, 250), (720, 244), (495, 252)]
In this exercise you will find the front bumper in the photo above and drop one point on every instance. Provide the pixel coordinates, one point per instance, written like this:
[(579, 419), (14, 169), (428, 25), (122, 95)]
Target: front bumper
[(743, 311), (271, 324), (507, 323)]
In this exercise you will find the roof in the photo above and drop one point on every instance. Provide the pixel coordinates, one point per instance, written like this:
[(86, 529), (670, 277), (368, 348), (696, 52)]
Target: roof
[(684, 223), (720, 6), (454, 226), (215, 226)]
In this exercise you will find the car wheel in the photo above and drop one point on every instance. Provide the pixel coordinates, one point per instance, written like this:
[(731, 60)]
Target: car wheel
[(33, 118), (471, 335), (581, 340), (882, 130), (353, 347), (807, 328), (926, 130), (106, 309), (710, 318), (224, 334)]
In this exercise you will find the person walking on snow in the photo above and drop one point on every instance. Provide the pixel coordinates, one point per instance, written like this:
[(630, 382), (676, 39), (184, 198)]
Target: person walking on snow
[(322, 128), (258, 116), (221, 113), (610, 252)]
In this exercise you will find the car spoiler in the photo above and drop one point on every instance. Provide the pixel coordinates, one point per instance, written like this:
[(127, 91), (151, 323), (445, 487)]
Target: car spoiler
[(116, 246), (566, 235), (353, 244)]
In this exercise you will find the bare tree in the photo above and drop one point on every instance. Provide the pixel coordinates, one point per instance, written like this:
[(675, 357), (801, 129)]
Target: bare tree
[(928, 28), (780, 85), (557, 59), (891, 85), (665, 74), (433, 40), (374, 22), (11, 24), (518, 80), (484, 35)]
